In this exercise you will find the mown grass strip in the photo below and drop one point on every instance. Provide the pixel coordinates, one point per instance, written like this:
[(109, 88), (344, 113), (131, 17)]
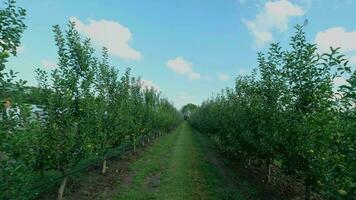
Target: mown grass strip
[(178, 166)]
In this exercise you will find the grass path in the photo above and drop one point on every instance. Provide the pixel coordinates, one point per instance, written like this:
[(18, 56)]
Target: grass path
[(179, 165)]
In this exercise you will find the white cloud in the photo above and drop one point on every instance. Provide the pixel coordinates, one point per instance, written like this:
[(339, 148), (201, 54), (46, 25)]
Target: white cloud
[(114, 36), (352, 60), (223, 77), (338, 81), (180, 66), (20, 49), (49, 64), (147, 84), (262, 37), (273, 16), (336, 37), (183, 67)]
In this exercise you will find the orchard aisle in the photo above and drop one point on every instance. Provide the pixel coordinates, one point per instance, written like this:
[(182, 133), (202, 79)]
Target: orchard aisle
[(177, 167)]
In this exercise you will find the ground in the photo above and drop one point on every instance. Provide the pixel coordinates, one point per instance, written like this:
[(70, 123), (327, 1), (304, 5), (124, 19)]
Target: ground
[(182, 164)]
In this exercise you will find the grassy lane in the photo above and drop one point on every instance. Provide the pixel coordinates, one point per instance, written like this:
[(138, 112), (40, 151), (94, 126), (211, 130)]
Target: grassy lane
[(184, 178), (178, 166)]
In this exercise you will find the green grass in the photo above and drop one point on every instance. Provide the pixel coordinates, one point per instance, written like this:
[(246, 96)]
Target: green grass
[(152, 164), (184, 179), (177, 167)]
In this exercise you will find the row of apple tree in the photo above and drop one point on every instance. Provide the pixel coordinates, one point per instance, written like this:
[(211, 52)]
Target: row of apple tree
[(86, 108), (289, 112)]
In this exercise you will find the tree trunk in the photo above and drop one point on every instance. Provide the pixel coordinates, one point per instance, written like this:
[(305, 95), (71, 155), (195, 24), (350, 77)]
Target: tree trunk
[(268, 171), (61, 189), (143, 142), (103, 171), (307, 190)]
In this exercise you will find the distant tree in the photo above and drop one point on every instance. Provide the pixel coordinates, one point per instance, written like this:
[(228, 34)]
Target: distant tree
[(188, 109)]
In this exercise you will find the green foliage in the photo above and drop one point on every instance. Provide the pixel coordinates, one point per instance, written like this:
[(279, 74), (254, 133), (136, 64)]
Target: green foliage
[(188, 110), (11, 171), (86, 110), (287, 112), (11, 29)]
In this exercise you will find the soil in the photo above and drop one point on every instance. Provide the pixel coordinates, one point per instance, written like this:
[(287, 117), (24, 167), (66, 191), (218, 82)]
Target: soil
[(95, 186), (92, 185), (280, 187)]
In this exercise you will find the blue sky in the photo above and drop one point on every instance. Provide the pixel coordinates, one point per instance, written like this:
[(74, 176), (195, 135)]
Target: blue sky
[(189, 49)]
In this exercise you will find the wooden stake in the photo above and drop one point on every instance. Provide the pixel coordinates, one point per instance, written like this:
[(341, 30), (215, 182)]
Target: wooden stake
[(103, 171), (61, 189), (268, 172)]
